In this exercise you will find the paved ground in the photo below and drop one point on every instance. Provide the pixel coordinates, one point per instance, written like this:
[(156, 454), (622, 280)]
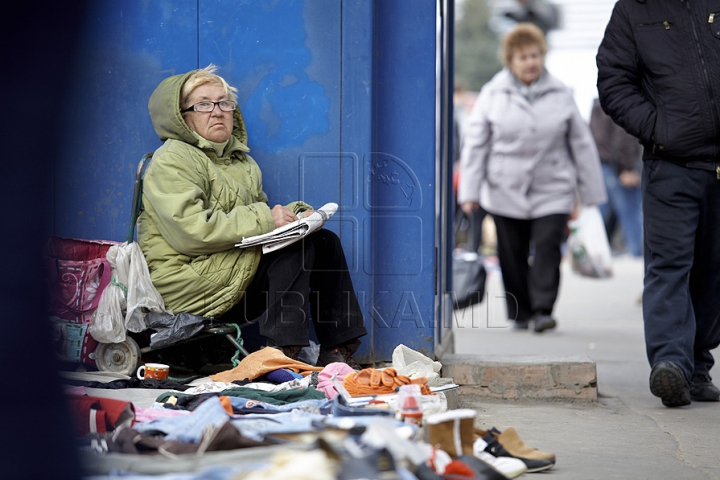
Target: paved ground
[(628, 434)]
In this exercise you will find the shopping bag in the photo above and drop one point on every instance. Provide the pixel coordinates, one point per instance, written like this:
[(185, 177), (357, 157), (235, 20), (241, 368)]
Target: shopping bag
[(588, 244), (77, 272), (468, 279), (468, 274)]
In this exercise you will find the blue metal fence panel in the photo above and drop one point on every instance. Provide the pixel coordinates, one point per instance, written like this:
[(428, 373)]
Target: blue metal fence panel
[(127, 48), (303, 70), (355, 141), (402, 175), (338, 97)]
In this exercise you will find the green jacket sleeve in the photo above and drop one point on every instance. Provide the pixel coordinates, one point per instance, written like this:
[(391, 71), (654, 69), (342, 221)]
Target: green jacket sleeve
[(200, 211)]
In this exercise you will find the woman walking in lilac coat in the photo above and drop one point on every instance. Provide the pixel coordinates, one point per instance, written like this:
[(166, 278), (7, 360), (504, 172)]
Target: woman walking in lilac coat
[(527, 155)]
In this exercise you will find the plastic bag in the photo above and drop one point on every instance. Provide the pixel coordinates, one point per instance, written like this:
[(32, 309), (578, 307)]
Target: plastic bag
[(413, 364), (310, 354), (108, 322), (588, 244), (141, 292), (170, 329), (130, 291)]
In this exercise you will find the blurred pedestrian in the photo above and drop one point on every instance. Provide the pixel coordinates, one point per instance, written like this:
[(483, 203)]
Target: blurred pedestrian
[(659, 78), (621, 165), (471, 224), (526, 151)]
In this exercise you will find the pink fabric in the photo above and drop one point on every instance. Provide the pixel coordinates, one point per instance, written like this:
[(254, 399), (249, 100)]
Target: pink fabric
[(77, 390), (338, 369), (147, 414)]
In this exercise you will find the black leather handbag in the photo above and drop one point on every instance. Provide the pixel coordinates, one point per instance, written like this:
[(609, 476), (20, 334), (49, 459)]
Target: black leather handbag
[(469, 275)]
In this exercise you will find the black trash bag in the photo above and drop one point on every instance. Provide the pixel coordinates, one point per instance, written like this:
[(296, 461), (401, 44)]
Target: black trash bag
[(170, 329)]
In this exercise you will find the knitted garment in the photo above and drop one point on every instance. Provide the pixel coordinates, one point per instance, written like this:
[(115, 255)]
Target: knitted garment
[(325, 385), (261, 362), (371, 381), (281, 375)]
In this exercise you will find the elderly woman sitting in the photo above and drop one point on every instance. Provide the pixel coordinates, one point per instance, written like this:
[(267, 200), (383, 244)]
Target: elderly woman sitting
[(202, 194)]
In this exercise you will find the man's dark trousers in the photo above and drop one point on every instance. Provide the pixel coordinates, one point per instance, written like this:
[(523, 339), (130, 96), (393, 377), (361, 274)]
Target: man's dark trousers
[(681, 298)]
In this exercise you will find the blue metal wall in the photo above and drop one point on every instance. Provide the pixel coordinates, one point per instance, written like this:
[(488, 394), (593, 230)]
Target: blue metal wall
[(339, 101)]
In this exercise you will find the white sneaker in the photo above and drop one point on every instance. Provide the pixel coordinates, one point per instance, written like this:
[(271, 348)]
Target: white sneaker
[(508, 466)]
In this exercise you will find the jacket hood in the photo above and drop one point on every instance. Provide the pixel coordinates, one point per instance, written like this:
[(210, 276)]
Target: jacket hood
[(164, 108)]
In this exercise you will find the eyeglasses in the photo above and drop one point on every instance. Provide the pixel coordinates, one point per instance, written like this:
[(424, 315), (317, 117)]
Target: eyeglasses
[(207, 107)]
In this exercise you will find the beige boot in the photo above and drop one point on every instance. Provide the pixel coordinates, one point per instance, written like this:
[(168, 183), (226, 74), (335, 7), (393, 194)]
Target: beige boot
[(512, 442), (451, 431)]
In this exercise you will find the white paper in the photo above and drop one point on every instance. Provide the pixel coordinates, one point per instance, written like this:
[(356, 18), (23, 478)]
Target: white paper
[(292, 232)]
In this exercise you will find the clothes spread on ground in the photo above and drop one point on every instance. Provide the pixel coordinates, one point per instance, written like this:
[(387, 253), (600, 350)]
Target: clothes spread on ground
[(332, 423), (95, 414), (262, 362), (135, 382), (276, 398)]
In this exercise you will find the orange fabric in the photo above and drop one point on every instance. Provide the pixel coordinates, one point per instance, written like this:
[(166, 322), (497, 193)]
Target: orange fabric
[(226, 404), (261, 362), (371, 381)]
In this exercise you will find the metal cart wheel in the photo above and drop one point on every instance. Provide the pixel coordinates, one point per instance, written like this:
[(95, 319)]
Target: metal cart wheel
[(123, 357)]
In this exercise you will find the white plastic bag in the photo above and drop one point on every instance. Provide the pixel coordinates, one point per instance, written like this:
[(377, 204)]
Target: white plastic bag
[(141, 292), (588, 244), (107, 324), (130, 290), (407, 361)]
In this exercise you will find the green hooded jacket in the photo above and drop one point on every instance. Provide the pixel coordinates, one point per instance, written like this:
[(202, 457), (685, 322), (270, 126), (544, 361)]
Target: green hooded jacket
[(197, 206)]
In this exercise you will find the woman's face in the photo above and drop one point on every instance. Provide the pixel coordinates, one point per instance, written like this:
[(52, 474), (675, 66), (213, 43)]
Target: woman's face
[(215, 126), (526, 63)]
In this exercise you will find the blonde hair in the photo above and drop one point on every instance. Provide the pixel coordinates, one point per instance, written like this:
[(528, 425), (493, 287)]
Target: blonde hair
[(201, 77), (523, 35)]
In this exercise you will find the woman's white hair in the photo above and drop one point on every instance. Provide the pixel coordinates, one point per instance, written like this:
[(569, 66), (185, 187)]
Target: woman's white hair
[(201, 77)]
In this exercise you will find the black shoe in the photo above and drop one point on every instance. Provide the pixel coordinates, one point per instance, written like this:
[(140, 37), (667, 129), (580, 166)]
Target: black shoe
[(340, 353), (703, 390), (668, 382), (290, 351), (543, 322), (521, 324)]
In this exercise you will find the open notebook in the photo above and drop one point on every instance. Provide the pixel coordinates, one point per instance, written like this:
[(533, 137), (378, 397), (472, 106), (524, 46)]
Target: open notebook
[(292, 232)]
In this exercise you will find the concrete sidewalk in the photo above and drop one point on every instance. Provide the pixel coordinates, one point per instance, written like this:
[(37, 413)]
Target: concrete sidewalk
[(628, 433)]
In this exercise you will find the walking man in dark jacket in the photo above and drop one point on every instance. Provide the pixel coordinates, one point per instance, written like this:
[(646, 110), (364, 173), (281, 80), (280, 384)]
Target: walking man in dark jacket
[(659, 78)]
